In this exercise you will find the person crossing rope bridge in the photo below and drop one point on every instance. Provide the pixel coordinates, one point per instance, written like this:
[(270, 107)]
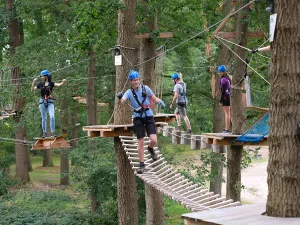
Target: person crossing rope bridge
[(140, 97), (46, 102)]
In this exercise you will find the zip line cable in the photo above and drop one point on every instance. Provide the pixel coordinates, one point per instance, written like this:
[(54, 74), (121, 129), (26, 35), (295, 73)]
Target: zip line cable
[(68, 66), (168, 50), (248, 49), (243, 60), (194, 36)]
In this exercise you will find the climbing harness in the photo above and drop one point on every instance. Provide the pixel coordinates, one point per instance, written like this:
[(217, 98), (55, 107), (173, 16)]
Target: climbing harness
[(143, 108), (47, 95)]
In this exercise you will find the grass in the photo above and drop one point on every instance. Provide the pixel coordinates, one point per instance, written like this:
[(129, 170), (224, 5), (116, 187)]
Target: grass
[(173, 212)]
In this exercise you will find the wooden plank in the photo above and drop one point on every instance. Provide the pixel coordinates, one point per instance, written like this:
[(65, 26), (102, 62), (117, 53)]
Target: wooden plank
[(257, 108), (232, 35), (161, 35), (222, 24)]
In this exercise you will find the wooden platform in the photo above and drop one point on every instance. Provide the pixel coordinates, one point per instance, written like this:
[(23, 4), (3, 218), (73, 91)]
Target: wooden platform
[(112, 130), (227, 139), (82, 100), (50, 143), (246, 215)]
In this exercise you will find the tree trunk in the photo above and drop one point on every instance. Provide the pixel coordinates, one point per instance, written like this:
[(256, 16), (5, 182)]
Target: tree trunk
[(64, 154), (154, 206), (47, 153), (284, 138), (127, 193), (223, 57), (154, 201), (15, 33), (234, 155), (75, 130), (90, 90)]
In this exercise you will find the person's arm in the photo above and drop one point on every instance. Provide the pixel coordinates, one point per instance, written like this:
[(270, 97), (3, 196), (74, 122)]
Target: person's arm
[(174, 99), (59, 84), (156, 100), (33, 87)]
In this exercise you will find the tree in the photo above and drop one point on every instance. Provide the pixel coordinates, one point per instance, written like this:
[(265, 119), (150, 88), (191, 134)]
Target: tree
[(127, 192), (283, 167), (234, 155), (154, 199), (222, 58), (16, 38)]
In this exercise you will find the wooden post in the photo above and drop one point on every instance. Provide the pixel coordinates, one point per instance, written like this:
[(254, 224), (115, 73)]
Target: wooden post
[(185, 139), (167, 131), (176, 137), (196, 142), (204, 144)]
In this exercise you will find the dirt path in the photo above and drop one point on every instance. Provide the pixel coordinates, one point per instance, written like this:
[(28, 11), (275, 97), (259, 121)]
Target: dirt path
[(254, 179)]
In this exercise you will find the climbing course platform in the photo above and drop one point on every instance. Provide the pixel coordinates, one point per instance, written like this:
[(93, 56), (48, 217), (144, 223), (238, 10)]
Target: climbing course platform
[(112, 130), (82, 100), (50, 143), (230, 139), (4, 115), (171, 183)]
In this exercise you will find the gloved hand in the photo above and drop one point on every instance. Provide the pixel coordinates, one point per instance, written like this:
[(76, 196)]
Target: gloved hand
[(254, 50), (162, 104), (119, 95)]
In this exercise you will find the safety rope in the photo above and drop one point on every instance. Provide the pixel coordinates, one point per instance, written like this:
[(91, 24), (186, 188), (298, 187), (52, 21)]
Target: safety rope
[(243, 60)]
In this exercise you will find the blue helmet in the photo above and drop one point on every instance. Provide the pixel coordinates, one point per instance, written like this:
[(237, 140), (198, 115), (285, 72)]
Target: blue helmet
[(45, 73), (222, 68), (175, 76), (133, 75)]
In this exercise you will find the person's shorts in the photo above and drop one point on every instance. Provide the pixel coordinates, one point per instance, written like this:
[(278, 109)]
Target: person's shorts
[(180, 110), (140, 124), (226, 100)]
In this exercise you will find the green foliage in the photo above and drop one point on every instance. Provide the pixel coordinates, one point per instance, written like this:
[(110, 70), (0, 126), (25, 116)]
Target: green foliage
[(53, 207)]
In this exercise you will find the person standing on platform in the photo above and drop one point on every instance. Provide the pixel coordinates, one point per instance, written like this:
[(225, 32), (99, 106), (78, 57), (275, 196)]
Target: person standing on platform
[(46, 102), (181, 100), (224, 90), (140, 97)]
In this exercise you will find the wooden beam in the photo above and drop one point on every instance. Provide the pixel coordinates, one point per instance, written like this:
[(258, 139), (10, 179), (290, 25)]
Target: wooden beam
[(161, 35), (50, 143), (232, 35), (222, 24)]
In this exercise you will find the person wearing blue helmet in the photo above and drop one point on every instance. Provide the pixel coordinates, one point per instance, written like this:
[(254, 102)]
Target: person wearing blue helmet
[(224, 90), (179, 95), (140, 97), (46, 102)]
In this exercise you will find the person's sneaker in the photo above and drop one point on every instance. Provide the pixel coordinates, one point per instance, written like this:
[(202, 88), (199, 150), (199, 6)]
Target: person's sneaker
[(152, 153), (226, 131), (53, 135), (44, 135), (141, 169), (178, 128)]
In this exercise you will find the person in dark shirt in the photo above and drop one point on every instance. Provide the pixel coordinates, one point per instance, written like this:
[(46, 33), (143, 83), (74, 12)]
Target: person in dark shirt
[(224, 90), (46, 102)]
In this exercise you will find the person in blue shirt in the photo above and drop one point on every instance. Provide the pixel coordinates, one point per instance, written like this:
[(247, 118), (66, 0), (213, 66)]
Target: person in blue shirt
[(140, 97)]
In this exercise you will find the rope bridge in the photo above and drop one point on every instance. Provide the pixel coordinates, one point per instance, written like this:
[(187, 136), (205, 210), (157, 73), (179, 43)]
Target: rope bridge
[(162, 177)]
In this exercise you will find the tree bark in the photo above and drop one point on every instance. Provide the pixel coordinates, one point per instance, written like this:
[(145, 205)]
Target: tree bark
[(234, 155), (218, 114), (47, 153), (127, 193), (154, 206), (284, 140), (64, 153), (90, 90), (15, 34), (154, 201)]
